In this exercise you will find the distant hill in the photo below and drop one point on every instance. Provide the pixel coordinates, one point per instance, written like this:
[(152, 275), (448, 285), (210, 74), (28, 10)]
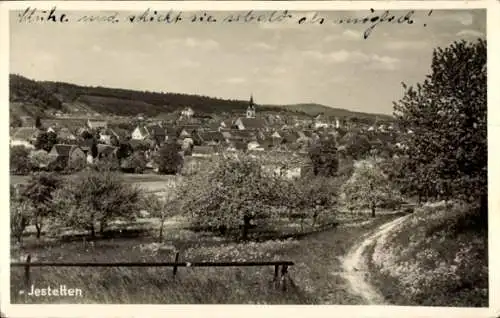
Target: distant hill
[(41, 98), (313, 109)]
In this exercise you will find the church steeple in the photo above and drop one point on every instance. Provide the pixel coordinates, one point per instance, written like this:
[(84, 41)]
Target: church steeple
[(251, 108)]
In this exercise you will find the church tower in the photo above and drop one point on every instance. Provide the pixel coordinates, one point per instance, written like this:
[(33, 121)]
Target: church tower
[(251, 108)]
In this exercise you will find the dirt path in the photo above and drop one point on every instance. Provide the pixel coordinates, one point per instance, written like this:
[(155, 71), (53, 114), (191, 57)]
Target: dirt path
[(354, 264)]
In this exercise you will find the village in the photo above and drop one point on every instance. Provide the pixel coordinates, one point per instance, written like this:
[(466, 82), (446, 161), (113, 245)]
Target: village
[(70, 139)]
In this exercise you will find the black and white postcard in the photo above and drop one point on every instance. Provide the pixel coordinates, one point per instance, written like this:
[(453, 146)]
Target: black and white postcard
[(249, 154)]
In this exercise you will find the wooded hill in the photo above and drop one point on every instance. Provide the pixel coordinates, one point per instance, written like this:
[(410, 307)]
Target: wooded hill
[(30, 97)]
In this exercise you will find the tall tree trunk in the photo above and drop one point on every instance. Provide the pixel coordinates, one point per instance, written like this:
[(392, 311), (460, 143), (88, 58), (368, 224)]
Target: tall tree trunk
[(92, 230), (373, 210)]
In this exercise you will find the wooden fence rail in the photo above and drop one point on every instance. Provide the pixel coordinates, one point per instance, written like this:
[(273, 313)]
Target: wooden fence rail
[(279, 275)]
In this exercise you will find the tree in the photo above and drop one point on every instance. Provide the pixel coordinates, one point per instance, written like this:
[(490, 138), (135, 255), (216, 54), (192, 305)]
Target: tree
[(136, 163), (19, 160), (162, 207), (124, 151), (39, 159), (38, 192), (96, 197), (444, 126), (367, 187), (232, 194), (357, 146), (170, 159), (20, 214), (46, 140), (323, 155), (313, 196)]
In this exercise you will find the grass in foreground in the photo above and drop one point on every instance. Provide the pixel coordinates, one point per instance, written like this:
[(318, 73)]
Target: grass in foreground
[(314, 279), (438, 257)]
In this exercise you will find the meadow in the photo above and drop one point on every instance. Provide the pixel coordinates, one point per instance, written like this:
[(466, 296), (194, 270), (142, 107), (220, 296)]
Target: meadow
[(315, 278)]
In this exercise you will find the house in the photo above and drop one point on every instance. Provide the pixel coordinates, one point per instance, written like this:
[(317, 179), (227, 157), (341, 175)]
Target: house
[(106, 151), (203, 151), (97, 124), (24, 136), (290, 136), (212, 137), (140, 133), (67, 153), (254, 146), (28, 121), (187, 131), (187, 112), (244, 123), (65, 134), (157, 133), (107, 134), (245, 135)]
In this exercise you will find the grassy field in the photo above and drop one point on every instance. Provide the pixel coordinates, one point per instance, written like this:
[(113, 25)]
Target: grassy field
[(314, 278), (437, 257)]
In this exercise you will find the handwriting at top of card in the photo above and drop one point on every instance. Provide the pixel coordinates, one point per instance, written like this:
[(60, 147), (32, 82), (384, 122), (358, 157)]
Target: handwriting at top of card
[(370, 19)]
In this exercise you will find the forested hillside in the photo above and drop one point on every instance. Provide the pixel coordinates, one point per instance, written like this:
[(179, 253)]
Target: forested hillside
[(29, 97)]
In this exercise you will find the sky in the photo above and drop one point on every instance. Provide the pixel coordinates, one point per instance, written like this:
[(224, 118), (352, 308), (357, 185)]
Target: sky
[(279, 63)]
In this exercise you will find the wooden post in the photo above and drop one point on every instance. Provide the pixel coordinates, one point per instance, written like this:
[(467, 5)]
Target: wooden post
[(284, 271), (175, 265), (276, 272), (27, 272)]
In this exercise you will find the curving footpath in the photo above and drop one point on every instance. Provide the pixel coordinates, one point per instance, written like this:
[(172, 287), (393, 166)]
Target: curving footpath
[(354, 264)]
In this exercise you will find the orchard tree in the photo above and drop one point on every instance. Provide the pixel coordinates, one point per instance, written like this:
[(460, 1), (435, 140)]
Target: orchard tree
[(96, 197), (312, 197), (367, 187), (231, 195), (444, 126), (38, 192), (324, 157)]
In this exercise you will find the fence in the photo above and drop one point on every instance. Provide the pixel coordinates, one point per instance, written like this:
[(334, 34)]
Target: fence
[(280, 274)]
